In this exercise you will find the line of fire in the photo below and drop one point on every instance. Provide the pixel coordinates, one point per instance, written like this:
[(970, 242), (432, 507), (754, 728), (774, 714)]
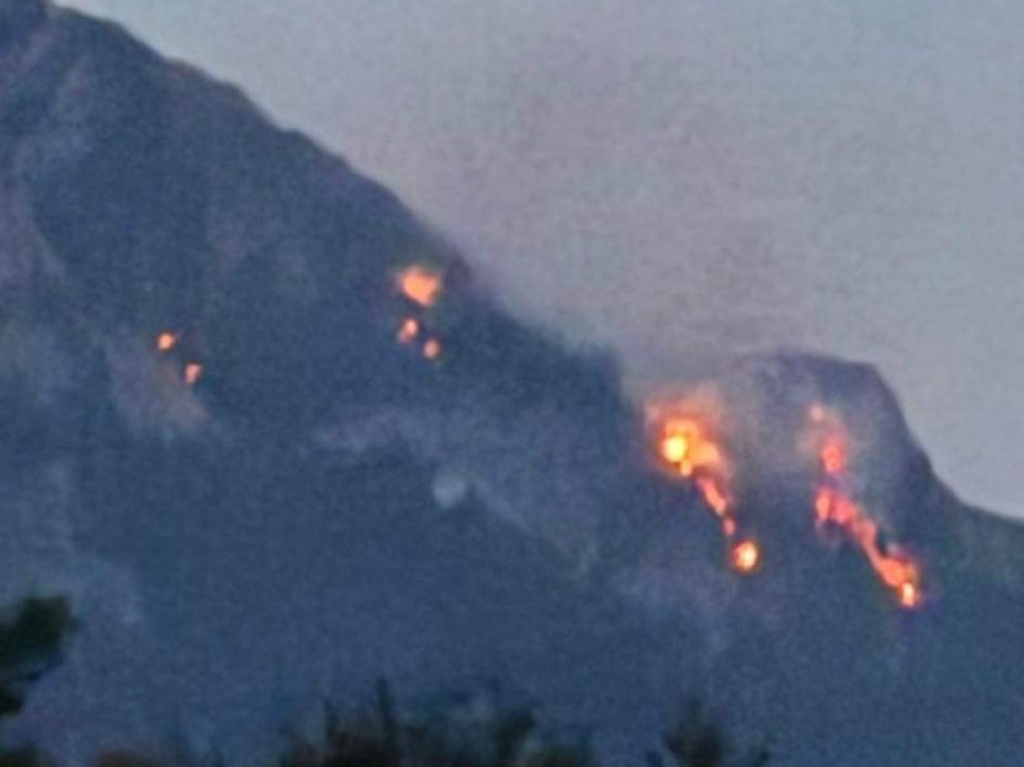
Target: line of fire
[(836, 509), (691, 448), (688, 444)]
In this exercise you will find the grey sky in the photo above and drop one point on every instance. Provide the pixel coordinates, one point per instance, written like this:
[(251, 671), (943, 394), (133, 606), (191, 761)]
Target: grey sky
[(678, 178)]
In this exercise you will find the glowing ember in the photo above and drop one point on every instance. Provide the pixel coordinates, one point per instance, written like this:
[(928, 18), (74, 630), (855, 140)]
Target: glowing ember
[(713, 496), (193, 372), (833, 506), (746, 557), (420, 284), (833, 458), (409, 330), (165, 342), (674, 449), (910, 596), (432, 349)]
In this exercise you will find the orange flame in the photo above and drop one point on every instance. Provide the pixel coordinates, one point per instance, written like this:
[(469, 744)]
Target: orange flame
[(193, 372), (166, 341), (910, 595), (833, 457), (686, 445), (746, 557), (408, 331), (714, 496), (421, 285), (432, 349), (832, 506)]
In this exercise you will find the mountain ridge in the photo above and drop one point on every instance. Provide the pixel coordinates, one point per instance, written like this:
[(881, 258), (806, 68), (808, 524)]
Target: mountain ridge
[(327, 501)]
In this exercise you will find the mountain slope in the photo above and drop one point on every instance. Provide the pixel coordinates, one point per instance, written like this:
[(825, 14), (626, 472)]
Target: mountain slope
[(267, 469)]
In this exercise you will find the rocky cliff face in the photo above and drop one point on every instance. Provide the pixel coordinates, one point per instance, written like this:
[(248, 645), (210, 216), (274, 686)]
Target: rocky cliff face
[(269, 463)]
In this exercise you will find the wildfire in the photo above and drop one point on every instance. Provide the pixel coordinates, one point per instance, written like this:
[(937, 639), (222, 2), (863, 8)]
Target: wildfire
[(432, 349), (193, 372), (833, 458), (910, 596), (409, 330), (746, 557), (687, 445), (166, 342), (421, 285), (834, 507), (719, 502)]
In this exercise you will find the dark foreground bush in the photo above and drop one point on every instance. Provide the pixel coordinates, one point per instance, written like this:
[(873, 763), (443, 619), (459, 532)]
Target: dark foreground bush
[(697, 741), (510, 738), (31, 644)]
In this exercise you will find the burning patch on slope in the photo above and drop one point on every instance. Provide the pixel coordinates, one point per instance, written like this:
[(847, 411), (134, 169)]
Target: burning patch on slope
[(837, 510), (432, 349), (689, 443), (166, 341), (193, 372), (420, 284), (409, 331), (698, 439)]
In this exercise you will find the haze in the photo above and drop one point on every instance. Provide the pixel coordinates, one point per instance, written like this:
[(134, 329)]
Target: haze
[(680, 179)]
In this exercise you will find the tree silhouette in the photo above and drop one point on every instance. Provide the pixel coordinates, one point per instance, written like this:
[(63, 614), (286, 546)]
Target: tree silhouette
[(509, 738), (30, 646), (698, 741)]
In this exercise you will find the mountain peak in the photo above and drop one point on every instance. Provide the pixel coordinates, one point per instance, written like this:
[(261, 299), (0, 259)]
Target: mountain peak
[(251, 402)]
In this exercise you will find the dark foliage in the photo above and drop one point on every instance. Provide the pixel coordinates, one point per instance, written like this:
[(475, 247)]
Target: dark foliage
[(509, 738), (23, 757), (30, 646), (698, 741)]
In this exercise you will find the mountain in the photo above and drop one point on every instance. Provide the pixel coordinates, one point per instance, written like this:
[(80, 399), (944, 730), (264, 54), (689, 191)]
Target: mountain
[(273, 442)]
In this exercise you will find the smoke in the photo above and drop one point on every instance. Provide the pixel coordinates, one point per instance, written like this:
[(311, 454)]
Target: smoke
[(681, 178), (760, 404)]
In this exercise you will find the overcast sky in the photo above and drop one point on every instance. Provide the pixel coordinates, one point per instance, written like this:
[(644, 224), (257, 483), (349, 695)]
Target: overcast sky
[(678, 177)]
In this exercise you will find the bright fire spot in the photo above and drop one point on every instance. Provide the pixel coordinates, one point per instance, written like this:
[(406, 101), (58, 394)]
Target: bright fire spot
[(833, 458), (432, 349), (687, 448), (833, 506), (409, 330), (193, 372), (165, 342), (420, 284), (674, 449), (910, 595), (687, 445), (746, 557)]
